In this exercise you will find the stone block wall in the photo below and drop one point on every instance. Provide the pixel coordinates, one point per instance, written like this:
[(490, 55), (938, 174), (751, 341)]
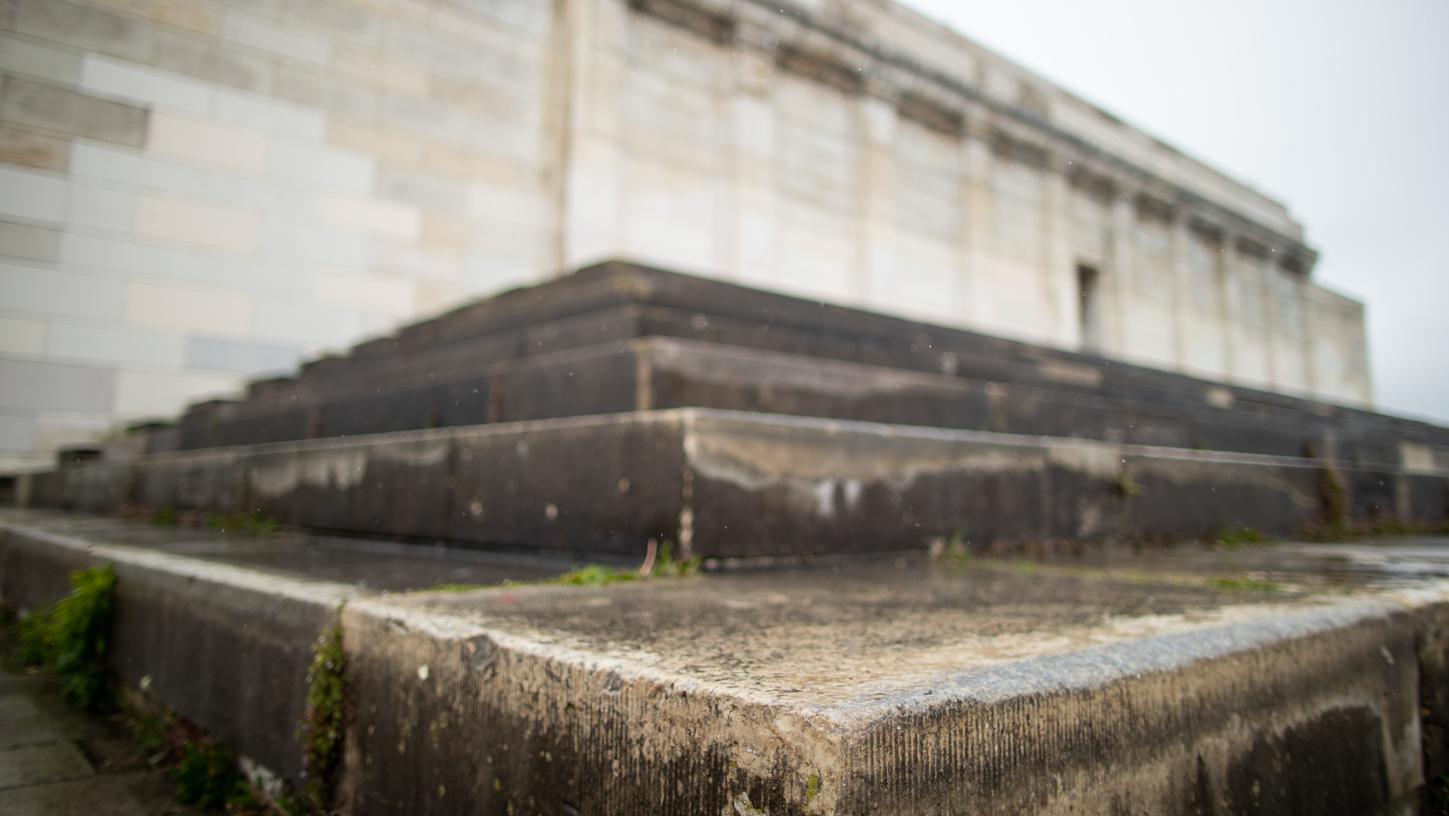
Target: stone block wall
[(197, 191), (193, 191)]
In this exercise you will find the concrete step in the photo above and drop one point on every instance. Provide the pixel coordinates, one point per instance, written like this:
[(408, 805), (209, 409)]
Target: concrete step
[(659, 372), (1281, 679), (615, 302), (725, 484)]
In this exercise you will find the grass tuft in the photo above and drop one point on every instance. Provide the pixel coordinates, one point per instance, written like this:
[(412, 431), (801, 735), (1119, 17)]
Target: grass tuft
[(596, 575), (667, 567), (73, 638), (208, 777)]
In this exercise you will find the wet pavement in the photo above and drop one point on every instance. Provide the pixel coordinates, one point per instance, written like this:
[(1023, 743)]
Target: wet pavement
[(55, 762)]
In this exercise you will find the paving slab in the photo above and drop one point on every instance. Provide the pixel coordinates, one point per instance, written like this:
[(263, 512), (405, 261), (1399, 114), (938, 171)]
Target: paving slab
[(14, 704), (39, 764), (35, 729), (107, 795)]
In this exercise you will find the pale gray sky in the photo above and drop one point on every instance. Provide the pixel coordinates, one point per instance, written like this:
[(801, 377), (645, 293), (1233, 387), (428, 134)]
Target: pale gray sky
[(1338, 107)]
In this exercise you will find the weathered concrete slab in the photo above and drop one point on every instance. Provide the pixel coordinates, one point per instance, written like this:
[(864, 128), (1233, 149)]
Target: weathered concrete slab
[(733, 485), (1164, 685), (219, 643)]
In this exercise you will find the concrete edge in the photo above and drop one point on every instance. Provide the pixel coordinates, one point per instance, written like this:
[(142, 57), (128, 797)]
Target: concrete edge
[(437, 696)]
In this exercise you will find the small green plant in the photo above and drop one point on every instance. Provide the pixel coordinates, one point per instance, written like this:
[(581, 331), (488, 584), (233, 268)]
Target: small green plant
[(957, 549), (255, 524), (1439, 796), (205, 772), (165, 517), (324, 719), (1126, 486), (595, 575), (812, 787), (667, 567), (1238, 538), (1244, 585), (73, 638), (153, 734), (447, 587), (207, 776)]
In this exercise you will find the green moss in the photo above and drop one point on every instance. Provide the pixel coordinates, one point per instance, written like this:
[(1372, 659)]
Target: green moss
[(1024, 566), (812, 787), (73, 637), (165, 517), (958, 548), (456, 587), (324, 721), (1126, 486), (1239, 538), (208, 777), (1244, 585), (595, 575), (667, 567), (153, 734), (253, 525)]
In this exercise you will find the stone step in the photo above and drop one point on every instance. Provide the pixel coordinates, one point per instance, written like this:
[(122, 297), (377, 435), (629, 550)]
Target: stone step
[(657, 372), (1282, 679), (741, 485), (615, 302)]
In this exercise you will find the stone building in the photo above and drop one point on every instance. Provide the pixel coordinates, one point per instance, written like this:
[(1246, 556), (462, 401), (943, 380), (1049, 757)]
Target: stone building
[(195, 191)]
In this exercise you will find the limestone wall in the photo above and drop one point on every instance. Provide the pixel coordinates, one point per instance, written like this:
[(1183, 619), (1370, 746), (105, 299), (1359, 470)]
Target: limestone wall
[(797, 150), (194, 191)]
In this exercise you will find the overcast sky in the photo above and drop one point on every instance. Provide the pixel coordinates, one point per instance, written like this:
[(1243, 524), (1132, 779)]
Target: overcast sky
[(1338, 107)]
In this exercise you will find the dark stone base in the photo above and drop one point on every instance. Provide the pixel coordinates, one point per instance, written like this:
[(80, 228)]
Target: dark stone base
[(735, 485)]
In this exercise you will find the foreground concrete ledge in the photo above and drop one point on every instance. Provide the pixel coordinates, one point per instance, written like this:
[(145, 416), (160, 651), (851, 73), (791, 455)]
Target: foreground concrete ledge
[(735, 485), (984, 687)]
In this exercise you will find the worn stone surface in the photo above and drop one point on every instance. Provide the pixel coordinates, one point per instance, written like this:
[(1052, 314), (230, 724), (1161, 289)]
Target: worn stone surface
[(1120, 683)]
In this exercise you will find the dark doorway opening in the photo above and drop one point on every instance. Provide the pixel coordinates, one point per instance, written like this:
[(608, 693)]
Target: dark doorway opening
[(1089, 307)]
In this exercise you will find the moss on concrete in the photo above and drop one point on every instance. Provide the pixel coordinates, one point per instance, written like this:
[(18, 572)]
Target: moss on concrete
[(324, 721), (1244, 585), (72, 638), (253, 525)]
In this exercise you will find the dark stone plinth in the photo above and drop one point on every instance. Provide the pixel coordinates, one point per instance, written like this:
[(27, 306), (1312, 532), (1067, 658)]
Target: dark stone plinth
[(451, 370), (733, 485)]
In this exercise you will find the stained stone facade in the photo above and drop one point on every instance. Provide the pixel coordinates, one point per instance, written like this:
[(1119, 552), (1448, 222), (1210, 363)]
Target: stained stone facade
[(195, 191)]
